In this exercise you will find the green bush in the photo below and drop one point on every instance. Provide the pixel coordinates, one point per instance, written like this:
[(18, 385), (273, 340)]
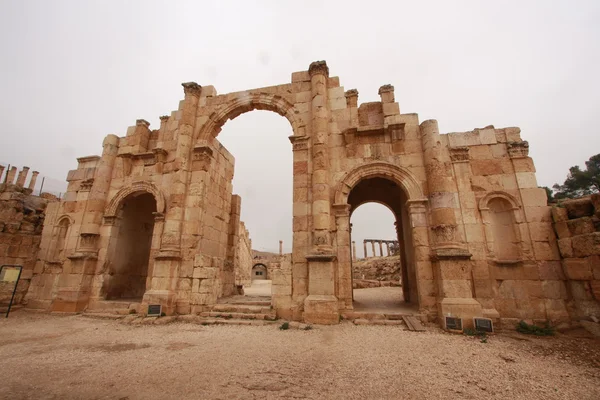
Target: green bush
[(285, 326), (527, 329)]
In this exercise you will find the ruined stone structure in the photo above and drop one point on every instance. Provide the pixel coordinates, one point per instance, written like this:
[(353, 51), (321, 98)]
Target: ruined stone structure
[(21, 220), (152, 217), (388, 243), (577, 224), (376, 272)]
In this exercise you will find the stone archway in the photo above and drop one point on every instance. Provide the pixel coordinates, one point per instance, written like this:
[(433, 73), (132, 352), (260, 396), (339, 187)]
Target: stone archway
[(260, 272), (409, 206), (245, 102)]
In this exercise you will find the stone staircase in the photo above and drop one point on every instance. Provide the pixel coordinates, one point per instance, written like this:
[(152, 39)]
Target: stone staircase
[(384, 318), (240, 312)]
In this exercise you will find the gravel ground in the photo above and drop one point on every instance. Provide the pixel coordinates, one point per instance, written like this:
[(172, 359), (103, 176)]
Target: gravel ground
[(74, 357)]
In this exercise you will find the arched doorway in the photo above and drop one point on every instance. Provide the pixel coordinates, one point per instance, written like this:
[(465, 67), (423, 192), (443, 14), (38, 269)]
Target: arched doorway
[(264, 184), (388, 193), (129, 258), (259, 272)]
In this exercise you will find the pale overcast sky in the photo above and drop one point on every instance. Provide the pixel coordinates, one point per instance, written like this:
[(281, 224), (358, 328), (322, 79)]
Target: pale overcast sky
[(75, 71)]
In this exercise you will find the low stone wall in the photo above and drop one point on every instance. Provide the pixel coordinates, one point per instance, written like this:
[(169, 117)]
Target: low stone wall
[(21, 221), (577, 225), (377, 269)]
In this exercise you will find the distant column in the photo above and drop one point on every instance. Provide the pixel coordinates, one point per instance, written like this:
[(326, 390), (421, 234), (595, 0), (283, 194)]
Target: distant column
[(373, 248), (1, 171), (22, 176), (365, 246), (10, 176), (34, 175), (380, 248), (387, 245), (281, 247), (353, 250)]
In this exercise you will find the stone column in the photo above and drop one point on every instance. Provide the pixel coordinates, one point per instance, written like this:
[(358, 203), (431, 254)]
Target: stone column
[(321, 305), (380, 248), (443, 193), (319, 73), (22, 176), (1, 172), (353, 250), (281, 247), (451, 264), (171, 239), (34, 176), (97, 198), (387, 245), (10, 175), (365, 248), (373, 248)]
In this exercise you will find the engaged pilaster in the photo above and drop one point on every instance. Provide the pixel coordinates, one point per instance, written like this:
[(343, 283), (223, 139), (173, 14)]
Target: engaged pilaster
[(319, 73)]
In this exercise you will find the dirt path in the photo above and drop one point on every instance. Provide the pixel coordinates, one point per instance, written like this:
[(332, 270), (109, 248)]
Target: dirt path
[(51, 357)]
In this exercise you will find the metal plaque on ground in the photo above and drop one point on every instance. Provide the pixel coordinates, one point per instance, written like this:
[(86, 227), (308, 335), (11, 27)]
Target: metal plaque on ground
[(454, 323), (154, 310), (483, 324)]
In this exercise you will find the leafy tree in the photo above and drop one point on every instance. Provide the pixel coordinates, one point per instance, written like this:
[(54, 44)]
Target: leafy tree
[(580, 182)]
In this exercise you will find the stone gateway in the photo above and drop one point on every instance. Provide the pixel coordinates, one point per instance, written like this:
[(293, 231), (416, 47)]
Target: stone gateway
[(154, 218)]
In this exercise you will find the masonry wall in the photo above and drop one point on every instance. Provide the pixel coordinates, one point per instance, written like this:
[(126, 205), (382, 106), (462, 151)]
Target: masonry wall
[(243, 262), (21, 222), (577, 225)]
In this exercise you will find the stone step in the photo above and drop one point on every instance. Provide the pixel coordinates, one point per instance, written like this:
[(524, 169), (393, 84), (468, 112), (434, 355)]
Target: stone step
[(262, 303), (242, 308), (353, 315), (233, 321), (102, 315), (237, 315), (117, 307), (387, 322)]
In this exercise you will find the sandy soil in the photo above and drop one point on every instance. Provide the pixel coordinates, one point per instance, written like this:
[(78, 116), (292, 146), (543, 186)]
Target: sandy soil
[(74, 357)]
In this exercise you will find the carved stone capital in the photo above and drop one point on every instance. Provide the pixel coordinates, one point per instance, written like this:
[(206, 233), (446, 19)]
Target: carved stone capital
[(142, 122), (318, 67), (164, 118), (110, 219), (386, 88), (299, 142), (86, 185), (459, 154), (191, 88), (518, 149), (201, 158), (341, 210), (351, 93), (158, 216), (444, 233), (160, 154)]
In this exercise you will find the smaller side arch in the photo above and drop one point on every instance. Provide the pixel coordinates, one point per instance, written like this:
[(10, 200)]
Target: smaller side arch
[(484, 201), (63, 218), (136, 187), (397, 174)]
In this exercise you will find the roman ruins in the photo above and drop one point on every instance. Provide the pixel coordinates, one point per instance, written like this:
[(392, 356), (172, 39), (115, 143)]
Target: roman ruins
[(153, 218)]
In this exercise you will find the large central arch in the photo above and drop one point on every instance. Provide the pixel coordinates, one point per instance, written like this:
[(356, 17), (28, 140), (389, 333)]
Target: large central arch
[(244, 102)]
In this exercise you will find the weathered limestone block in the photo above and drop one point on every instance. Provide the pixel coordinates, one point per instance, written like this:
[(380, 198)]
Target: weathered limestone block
[(578, 208), (581, 226), (559, 214), (562, 229), (578, 269), (586, 245), (565, 246)]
